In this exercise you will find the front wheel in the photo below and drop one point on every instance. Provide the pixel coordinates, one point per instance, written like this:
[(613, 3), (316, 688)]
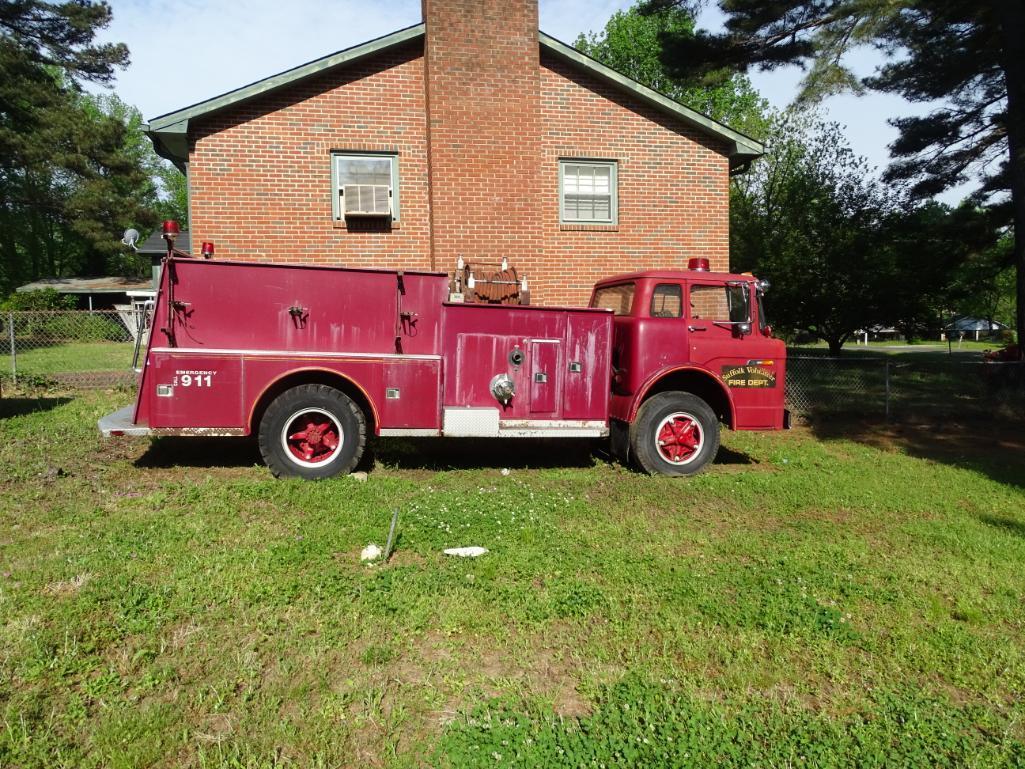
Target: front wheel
[(312, 432), (675, 433)]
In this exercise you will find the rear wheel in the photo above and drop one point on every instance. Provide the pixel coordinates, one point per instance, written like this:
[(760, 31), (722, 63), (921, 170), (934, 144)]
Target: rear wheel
[(675, 433), (312, 432)]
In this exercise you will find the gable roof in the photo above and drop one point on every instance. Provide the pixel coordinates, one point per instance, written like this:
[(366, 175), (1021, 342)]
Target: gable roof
[(169, 132)]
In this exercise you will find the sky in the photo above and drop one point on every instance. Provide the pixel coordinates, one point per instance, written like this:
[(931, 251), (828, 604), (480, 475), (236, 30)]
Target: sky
[(185, 51)]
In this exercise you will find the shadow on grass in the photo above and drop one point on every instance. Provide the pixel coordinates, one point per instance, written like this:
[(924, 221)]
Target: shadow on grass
[(433, 454), (992, 448), (201, 452), (520, 453), (482, 453), (16, 407), (1009, 525), (730, 457)]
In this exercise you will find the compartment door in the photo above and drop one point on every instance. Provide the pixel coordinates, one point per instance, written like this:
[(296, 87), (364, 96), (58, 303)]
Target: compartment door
[(545, 377), (197, 391)]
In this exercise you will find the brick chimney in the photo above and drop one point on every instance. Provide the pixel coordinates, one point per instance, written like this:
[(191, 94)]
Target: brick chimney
[(484, 142)]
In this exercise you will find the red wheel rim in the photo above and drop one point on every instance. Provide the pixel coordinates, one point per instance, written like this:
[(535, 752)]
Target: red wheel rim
[(679, 438), (312, 437)]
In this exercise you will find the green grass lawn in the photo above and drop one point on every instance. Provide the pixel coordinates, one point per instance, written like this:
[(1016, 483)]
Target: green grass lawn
[(76, 356), (812, 600), (72, 365)]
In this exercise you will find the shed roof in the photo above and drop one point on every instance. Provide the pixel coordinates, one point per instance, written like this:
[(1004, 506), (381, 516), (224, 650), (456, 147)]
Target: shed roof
[(110, 284), (169, 132), (155, 245)]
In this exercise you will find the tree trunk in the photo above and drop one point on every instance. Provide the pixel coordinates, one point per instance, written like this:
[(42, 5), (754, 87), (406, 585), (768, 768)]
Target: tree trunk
[(1012, 27), (835, 346)]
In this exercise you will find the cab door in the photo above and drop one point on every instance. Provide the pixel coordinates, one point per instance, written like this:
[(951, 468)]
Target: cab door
[(719, 326)]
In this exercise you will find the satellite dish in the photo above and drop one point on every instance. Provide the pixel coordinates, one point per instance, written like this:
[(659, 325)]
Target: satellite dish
[(130, 238)]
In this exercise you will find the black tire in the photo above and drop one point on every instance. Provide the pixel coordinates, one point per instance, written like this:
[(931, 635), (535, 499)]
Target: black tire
[(305, 410), (687, 410)]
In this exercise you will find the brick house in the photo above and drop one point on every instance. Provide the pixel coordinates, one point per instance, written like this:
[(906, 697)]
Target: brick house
[(471, 134)]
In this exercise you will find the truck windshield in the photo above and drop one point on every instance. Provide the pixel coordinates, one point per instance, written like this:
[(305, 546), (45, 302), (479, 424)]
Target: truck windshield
[(737, 298), (619, 298)]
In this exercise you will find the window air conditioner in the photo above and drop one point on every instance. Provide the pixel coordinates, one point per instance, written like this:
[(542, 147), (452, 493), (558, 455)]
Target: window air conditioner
[(366, 199)]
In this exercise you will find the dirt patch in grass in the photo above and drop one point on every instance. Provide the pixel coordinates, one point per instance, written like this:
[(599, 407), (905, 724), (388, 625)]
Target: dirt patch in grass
[(66, 587)]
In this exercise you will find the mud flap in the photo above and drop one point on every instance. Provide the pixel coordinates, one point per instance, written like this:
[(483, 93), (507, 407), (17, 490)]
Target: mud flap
[(619, 435)]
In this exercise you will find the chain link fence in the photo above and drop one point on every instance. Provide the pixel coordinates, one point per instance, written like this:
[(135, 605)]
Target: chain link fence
[(926, 387), (69, 349), (74, 349)]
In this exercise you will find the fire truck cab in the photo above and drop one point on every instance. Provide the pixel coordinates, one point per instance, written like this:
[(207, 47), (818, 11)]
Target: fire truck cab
[(313, 359), (690, 350)]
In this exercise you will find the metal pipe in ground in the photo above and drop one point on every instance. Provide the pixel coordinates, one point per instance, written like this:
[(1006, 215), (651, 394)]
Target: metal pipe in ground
[(887, 365), (391, 535)]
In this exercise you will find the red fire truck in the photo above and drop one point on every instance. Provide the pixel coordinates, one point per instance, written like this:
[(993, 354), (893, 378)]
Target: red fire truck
[(312, 359)]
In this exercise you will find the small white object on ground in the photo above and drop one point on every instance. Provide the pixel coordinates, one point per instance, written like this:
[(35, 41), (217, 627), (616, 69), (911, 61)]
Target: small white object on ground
[(370, 553), (466, 552), (360, 476), (505, 471)]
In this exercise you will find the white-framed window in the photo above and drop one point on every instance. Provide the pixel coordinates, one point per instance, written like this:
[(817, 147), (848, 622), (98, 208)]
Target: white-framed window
[(365, 174), (588, 192)]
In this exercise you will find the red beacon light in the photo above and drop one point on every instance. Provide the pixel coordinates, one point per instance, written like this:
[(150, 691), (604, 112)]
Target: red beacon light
[(207, 249), (171, 230), (698, 263)]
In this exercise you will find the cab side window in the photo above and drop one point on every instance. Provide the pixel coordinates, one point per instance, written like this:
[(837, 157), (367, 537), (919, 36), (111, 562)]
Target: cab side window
[(667, 301)]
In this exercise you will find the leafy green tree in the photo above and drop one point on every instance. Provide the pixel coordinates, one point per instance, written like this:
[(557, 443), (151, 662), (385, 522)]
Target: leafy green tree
[(174, 192), (927, 253), (631, 43), (114, 187), (966, 54), (810, 218), (982, 286)]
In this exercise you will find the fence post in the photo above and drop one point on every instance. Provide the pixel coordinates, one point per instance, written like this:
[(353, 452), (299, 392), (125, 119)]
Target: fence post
[(14, 353), (887, 365)]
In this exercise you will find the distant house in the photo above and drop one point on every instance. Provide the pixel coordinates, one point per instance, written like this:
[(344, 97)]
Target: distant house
[(469, 135), (977, 327)]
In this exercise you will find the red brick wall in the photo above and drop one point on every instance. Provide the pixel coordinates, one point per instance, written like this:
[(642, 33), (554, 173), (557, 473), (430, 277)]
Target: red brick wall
[(482, 98), (260, 175), (673, 187)]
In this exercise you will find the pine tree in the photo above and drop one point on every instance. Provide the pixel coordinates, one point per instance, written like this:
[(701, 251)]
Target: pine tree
[(71, 173)]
